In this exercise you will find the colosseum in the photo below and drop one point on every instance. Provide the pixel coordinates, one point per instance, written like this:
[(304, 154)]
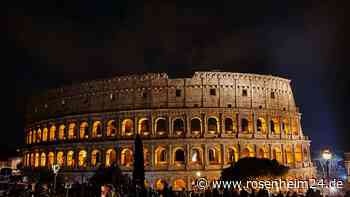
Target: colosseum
[(190, 127)]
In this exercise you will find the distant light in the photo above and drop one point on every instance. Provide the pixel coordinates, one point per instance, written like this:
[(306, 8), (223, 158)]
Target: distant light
[(198, 174), (326, 154)]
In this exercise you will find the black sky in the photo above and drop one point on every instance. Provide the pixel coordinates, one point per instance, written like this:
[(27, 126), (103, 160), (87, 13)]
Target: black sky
[(50, 43)]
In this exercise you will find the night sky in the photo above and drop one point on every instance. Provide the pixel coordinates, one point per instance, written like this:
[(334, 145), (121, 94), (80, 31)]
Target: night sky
[(50, 43)]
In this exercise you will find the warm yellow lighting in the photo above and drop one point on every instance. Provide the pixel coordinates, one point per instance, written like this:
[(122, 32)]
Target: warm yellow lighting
[(198, 174)]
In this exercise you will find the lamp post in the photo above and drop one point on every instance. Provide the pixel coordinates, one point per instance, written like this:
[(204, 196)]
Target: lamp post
[(327, 155), (55, 168)]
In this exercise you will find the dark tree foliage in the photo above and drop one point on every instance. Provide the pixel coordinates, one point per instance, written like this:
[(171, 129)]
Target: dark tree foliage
[(108, 175), (139, 170), (41, 175), (251, 167)]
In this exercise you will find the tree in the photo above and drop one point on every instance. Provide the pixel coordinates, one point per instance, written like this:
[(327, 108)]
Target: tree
[(251, 167), (110, 175), (139, 170)]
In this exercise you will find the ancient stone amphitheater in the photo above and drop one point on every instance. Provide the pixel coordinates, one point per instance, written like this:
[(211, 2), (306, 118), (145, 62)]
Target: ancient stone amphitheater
[(190, 126)]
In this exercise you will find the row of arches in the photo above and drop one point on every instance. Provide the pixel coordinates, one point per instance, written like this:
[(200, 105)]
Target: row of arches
[(164, 156), (70, 159), (161, 128)]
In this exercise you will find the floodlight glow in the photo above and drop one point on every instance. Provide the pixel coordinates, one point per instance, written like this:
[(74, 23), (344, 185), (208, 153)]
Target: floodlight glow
[(327, 155)]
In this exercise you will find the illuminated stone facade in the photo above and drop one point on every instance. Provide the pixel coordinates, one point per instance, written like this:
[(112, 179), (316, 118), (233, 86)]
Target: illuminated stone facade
[(188, 125), (347, 165)]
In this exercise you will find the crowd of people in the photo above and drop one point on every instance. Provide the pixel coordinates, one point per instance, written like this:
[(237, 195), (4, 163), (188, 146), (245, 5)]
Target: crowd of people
[(109, 190)]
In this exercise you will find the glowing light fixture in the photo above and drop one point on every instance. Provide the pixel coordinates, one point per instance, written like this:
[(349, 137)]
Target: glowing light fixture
[(326, 154)]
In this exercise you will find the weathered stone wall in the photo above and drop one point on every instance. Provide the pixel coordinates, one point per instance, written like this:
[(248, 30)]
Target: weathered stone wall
[(159, 91), (238, 115)]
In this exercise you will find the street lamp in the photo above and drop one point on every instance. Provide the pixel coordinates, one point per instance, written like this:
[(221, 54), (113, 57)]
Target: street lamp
[(55, 168), (327, 155)]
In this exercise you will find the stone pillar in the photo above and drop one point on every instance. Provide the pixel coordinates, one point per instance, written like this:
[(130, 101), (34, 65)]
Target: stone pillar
[(302, 155), (223, 151), (283, 155), (268, 125), (103, 156), (239, 122), (188, 156), (88, 157), (152, 120), (205, 156), (135, 125), (189, 184), (152, 156), (239, 150), (299, 126), (90, 128), (187, 126), (290, 125), (170, 128), (204, 130), (293, 154), (270, 152), (282, 130), (170, 159), (221, 125), (77, 134), (255, 150), (254, 124), (117, 154), (118, 127)]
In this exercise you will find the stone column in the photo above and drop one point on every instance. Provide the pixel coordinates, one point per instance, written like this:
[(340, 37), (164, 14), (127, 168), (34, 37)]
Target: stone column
[(255, 149), (152, 120), (170, 159), (77, 134), (204, 130), (118, 127), (117, 154), (299, 126), (152, 156), (205, 156), (223, 151), (290, 125), (239, 122), (268, 125), (293, 154), (254, 124), (135, 125), (188, 156), (189, 185), (221, 125), (88, 157), (103, 156), (283, 155), (302, 154), (187, 126), (239, 150), (170, 128)]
